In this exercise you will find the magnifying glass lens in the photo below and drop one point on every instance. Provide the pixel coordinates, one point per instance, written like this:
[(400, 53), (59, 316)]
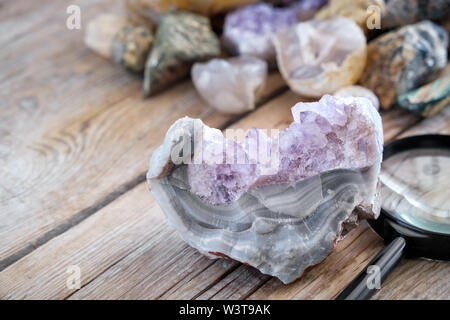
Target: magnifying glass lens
[(416, 188)]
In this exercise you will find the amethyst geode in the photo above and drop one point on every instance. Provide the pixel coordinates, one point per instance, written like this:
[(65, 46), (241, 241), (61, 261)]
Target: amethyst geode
[(277, 203), (248, 30)]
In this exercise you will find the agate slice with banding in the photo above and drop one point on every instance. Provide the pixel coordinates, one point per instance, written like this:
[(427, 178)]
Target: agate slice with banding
[(320, 56), (182, 39), (248, 30), (276, 202), (230, 85), (404, 59)]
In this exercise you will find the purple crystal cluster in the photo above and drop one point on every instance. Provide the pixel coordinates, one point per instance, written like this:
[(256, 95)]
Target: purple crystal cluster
[(333, 133), (248, 30)]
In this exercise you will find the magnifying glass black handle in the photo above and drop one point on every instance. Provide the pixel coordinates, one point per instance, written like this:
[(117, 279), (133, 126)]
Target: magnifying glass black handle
[(373, 275)]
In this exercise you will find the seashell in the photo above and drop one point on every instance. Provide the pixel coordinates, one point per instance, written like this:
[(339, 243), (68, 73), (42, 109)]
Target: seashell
[(358, 91), (248, 30), (100, 33), (404, 59), (403, 12), (131, 46), (320, 56), (428, 99), (232, 85), (280, 216), (182, 39), (355, 10)]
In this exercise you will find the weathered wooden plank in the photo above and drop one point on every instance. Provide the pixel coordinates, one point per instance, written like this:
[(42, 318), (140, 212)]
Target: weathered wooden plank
[(95, 132)]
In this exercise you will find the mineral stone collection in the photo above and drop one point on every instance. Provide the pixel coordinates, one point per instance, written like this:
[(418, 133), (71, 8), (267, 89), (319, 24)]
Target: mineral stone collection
[(358, 91), (429, 99), (248, 30), (148, 11), (279, 216), (404, 59), (182, 38), (232, 85), (356, 10), (101, 32), (402, 12), (320, 56), (131, 46)]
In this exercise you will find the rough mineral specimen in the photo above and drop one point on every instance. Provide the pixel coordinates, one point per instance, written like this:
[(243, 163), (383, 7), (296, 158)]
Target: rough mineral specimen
[(248, 30), (429, 99), (320, 56), (356, 10), (131, 46), (277, 203), (232, 85), (358, 91), (148, 11), (404, 59), (402, 12), (100, 33), (182, 39)]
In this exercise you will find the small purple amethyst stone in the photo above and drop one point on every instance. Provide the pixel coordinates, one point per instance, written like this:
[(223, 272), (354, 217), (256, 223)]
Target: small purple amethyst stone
[(248, 30)]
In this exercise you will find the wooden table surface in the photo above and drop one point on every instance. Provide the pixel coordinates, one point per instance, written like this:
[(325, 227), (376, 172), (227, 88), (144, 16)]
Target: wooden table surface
[(75, 141)]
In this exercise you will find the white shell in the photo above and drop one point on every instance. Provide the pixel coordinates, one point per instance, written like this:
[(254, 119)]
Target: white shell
[(230, 85), (320, 56)]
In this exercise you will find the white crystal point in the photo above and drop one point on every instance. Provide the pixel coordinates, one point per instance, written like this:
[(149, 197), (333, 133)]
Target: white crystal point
[(317, 57), (280, 222), (359, 91), (230, 85)]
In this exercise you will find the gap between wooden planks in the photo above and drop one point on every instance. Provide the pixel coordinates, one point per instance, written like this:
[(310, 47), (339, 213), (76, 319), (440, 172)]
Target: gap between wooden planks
[(126, 249)]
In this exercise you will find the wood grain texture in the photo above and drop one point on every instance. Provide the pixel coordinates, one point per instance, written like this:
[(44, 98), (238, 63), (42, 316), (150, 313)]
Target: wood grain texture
[(75, 131)]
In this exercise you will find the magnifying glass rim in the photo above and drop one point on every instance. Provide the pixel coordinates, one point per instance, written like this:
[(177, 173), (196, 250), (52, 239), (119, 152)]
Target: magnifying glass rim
[(426, 141)]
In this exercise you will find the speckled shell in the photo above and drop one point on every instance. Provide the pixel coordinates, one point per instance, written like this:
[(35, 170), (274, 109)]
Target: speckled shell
[(182, 39), (131, 46), (404, 59)]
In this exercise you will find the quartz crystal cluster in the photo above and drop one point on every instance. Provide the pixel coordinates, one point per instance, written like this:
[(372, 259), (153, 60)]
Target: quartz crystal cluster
[(320, 56), (358, 91), (248, 30), (404, 59), (230, 85), (285, 213), (359, 11)]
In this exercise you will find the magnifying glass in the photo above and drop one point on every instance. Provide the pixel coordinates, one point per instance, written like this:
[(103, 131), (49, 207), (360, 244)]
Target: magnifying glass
[(415, 214)]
